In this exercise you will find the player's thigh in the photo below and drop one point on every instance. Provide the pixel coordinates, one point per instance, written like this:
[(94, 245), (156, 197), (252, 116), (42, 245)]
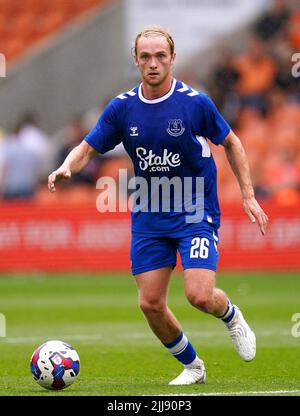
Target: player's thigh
[(153, 285), (199, 284)]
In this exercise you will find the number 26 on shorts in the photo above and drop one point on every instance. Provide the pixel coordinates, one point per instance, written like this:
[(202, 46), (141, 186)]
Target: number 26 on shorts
[(199, 248)]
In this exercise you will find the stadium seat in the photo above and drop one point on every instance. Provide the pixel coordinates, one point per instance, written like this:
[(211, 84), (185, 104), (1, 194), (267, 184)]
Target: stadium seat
[(49, 23), (23, 22), (14, 47), (82, 5), (12, 8), (38, 6), (3, 26)]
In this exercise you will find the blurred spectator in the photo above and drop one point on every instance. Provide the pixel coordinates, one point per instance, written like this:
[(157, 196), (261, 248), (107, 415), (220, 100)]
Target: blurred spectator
[(226, 75), (1, 157), (273, 21), (20, 169), (223, 88), (283, 177), (34, 139), (75, 134), (294, 30), (31, 135), (285, 80), (257, 71)]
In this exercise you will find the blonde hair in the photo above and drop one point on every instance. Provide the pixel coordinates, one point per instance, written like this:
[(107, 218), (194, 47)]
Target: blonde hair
[(152, 31)]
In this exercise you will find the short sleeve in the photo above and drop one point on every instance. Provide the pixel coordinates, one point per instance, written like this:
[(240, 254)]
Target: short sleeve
[(214, 126), (107, 133)]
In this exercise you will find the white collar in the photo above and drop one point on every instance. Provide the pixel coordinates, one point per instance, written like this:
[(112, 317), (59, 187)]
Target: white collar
[(160, 99)]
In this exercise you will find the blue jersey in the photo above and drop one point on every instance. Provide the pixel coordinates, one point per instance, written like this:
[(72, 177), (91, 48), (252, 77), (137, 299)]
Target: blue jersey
[(166, 138)]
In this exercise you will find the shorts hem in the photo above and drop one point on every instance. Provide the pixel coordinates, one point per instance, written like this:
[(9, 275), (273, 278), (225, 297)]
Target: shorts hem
[(200, 266), (151, 267)]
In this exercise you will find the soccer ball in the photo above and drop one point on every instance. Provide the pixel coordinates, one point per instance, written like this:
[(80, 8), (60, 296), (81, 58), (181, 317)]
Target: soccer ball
[(54, 365)]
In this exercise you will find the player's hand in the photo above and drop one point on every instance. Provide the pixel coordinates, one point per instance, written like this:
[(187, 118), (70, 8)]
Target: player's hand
[(58, 175), (256, 213)]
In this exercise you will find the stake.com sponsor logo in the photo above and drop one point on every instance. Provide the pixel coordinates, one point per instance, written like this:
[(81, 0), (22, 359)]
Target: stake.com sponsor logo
[(155, 163)]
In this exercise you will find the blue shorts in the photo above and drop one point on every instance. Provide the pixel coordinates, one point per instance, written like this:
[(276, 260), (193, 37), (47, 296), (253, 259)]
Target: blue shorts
[(196, 251)]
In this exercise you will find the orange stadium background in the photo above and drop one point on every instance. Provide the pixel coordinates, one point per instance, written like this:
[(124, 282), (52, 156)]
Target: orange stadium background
[(251, 84)]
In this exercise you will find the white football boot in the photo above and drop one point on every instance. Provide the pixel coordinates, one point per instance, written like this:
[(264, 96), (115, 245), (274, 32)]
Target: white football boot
[(195, 375), (242, 336)]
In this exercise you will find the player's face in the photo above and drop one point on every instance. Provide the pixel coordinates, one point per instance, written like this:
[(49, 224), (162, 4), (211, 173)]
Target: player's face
[(154, 60)]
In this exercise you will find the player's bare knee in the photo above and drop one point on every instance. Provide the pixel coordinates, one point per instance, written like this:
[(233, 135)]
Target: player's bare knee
[(200, 301), (152, 306)]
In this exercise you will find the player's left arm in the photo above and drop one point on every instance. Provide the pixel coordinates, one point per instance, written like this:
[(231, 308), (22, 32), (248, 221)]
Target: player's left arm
[(239, 163)]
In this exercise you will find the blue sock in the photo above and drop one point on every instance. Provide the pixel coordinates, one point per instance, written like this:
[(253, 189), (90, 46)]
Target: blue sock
[(229, 314), (182, 349)]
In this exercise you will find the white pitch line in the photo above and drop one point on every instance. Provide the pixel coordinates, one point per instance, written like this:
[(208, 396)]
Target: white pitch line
[(137, 335), (234, 393), (24, 340)]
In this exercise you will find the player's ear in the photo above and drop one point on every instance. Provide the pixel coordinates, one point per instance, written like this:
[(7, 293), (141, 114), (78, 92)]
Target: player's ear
[(173, 58), (133, 54), (135, 60)]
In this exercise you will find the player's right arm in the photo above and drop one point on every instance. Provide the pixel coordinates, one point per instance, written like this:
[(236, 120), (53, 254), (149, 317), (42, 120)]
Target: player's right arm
[(76, 160)]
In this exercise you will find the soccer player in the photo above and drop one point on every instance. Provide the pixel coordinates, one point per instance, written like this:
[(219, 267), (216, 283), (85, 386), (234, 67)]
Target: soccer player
[(165, 126)]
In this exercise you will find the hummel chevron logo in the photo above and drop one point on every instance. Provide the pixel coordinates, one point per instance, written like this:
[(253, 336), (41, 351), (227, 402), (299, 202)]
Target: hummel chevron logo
[(124, 96), (194, 92), (185, 88)]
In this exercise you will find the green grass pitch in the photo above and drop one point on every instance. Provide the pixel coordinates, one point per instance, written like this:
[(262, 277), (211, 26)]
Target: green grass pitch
[(119, 355)]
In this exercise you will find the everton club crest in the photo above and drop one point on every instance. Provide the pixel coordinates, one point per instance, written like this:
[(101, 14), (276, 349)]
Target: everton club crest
[(175, 128)]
